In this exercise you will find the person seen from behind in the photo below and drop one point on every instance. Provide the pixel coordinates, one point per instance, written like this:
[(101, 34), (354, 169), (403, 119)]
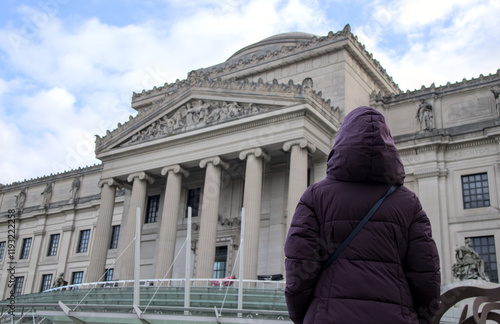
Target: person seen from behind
[(389, 273)]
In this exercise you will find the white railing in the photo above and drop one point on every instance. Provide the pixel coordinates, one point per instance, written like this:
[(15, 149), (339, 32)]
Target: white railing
[(220, 283)]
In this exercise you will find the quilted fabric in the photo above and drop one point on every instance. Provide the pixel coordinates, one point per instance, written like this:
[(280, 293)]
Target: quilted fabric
[(389, 273)]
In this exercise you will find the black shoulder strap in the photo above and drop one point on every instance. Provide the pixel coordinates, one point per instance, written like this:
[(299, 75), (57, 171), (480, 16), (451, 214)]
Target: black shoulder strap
[(359, 227)]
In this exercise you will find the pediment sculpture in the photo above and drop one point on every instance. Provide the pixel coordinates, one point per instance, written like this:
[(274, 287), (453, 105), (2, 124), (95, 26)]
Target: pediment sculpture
[(196, 114), (469, 264)]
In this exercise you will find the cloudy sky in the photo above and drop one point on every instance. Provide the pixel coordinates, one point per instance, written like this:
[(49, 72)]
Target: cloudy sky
[(68, 67)]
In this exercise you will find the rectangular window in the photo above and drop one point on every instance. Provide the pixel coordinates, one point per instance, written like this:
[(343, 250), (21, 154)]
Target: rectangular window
[(109, 274), (53, 244), (193, 201), (46, 282), (83, 242), (115, 233), (18, 286), (2, 250), (152, 210), (77, 278), (485, 247), (220, 263), (25, 250), (475, 190)]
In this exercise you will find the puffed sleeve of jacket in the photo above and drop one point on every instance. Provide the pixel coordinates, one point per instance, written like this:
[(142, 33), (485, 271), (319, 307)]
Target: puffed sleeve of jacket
[(422, 266), (303, 262)]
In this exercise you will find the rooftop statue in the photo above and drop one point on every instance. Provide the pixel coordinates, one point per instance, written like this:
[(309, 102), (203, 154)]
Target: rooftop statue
[(469, 264)]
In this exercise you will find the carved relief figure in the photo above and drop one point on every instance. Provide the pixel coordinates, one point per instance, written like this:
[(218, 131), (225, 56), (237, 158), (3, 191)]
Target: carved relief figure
[(469, 264), (496, 94), (21, 199), (75, 188), (195, 114), (425, 116), (47, 195)]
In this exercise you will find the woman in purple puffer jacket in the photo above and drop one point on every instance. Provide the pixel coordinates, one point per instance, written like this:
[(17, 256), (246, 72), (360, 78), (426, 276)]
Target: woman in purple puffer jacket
[(389, 273)]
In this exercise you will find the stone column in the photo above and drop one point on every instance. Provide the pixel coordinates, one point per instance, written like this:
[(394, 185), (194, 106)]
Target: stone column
[(165, 249), (252, 203), (430, 198), (297, 182), (64, 244), (102, 235), (137, 200), (209, 216), (36, 244)]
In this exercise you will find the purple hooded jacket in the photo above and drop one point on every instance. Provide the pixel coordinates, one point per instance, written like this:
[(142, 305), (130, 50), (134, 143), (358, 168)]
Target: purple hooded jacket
[(389, 273)]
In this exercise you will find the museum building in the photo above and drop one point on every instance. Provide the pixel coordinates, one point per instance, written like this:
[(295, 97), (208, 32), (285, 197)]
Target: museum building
[(251, 134)]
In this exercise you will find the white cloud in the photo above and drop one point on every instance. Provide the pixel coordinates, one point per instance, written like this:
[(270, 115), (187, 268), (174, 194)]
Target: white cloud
[(453, 41), (82, 75), (75, 78)]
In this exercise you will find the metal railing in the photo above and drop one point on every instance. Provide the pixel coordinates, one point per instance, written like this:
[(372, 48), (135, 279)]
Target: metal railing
[(221, 283)]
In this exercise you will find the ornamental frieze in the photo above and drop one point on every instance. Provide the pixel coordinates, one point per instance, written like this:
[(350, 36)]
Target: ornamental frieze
[(195, 115)]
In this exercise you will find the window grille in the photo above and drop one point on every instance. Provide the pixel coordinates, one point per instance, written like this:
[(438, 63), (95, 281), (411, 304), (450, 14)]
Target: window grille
[(152, 210), (475, 190), (53, 244), (25, 251), (485, 247), (83, 243), (114, 237)]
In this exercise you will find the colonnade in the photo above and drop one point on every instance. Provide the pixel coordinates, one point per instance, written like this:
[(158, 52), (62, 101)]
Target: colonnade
[(167, 233)]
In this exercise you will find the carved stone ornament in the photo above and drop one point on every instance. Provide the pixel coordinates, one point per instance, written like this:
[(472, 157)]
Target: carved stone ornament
[(469, 264), (175, 169), (302, 143), (425, 115), (194, 115), (75, 189), (21, 199), (47, 195), (496, 95)]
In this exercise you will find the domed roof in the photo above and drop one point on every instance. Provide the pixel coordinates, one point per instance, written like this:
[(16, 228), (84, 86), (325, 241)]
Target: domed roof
[(272, 44)]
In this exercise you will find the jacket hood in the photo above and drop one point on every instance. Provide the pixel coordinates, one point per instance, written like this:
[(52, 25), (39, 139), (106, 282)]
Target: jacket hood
[(364, 150)]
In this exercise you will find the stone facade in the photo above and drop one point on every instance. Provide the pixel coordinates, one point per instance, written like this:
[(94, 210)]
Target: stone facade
[(250, 132)]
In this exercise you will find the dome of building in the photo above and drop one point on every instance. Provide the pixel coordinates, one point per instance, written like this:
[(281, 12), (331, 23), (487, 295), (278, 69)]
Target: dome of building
[(272, 44)]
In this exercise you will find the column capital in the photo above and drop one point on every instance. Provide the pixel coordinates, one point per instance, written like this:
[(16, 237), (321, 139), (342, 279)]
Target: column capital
[(68, 228), (141, 176), (39, 232), (257, 152), (302, 143), (431, 173), (176, 169), (215, 160), (110, 182)]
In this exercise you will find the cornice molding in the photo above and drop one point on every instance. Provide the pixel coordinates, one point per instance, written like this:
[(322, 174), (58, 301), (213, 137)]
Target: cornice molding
[(231, 129), (52, 177), (299, 93), (446, 147), (433, 91)]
